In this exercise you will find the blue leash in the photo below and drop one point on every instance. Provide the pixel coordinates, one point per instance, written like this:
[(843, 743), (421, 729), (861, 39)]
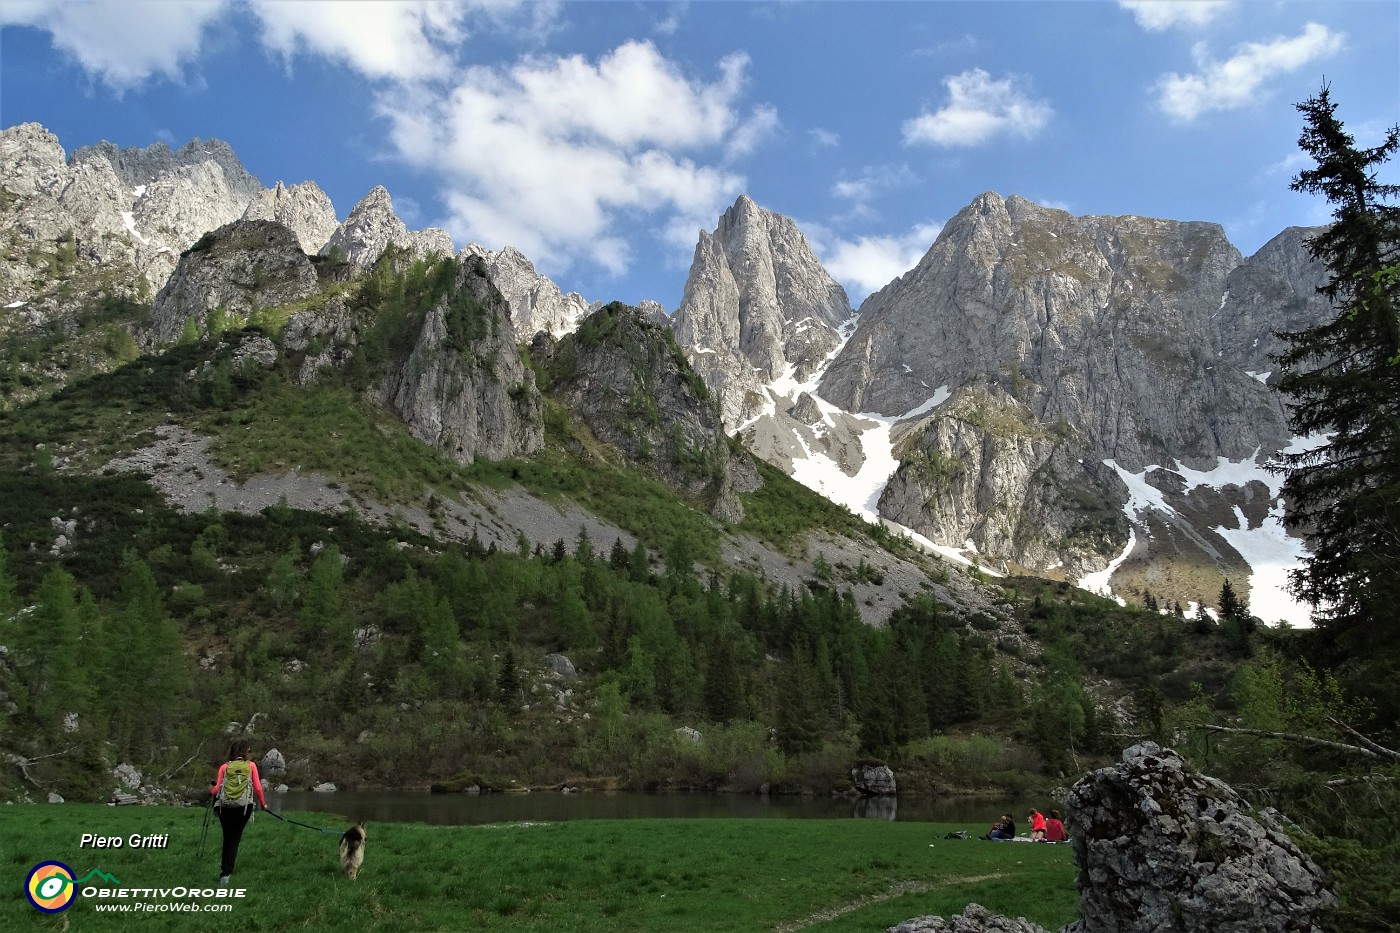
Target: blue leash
[(331, 832)]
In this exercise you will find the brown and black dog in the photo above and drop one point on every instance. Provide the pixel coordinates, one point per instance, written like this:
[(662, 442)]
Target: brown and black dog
[(352, 850)]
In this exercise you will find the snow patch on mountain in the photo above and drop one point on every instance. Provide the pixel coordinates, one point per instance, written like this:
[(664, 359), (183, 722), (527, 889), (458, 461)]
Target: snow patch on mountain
[(1267, 547), (860, 490), (1098, 582)]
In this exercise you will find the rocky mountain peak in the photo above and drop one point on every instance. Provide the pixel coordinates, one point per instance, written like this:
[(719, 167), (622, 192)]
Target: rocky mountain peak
[(303, 208), (136, 166), (536, 303), (757, 306), (373, 226), (1082, 360), (137, 208)]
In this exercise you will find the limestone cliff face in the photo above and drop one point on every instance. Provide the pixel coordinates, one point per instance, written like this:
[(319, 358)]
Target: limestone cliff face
[(757, 304), (1066, 342), (373, 226), (463, 388), (239, 268), (1081, 317), (630, 383), (536, 303)]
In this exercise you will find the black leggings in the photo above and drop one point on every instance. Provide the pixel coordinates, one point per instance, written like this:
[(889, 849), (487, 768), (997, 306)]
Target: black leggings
[(233, 820)]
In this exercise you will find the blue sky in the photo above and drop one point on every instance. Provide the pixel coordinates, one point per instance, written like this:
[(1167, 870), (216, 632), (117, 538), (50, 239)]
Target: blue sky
[(600, 137)]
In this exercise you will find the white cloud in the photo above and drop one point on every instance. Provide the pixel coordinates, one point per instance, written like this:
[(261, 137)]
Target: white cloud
[(866, 264), (825, 138), (1236, 81), (1157, 15), (123, 44), (547, 155), (871, 180), (670, 24), (761, 125), (401, 39), (978, 109)]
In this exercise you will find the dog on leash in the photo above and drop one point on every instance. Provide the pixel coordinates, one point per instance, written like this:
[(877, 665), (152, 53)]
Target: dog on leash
[(352, 850)]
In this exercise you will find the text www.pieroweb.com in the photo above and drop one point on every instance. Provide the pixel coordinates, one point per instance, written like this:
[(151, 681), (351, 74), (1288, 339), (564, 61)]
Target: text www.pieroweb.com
[(178, 907)]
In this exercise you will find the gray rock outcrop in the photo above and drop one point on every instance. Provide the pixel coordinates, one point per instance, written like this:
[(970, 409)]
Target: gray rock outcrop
[(757, 306), (974, 919), (373, 227), (240, 268), (633, 388), (536, 303), (166, 200), (463, 388), (107, 209)]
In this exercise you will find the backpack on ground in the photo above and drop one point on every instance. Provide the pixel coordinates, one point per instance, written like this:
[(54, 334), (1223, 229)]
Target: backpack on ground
[(237, 789)]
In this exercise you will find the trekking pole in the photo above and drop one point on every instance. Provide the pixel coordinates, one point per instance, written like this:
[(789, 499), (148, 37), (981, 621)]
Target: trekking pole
[(205, 830)]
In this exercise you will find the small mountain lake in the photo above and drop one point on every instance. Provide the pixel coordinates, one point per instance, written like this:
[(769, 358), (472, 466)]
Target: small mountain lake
[(465, 809)]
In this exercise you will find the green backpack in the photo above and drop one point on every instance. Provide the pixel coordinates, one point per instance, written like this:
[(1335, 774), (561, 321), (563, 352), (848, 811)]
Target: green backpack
[(237, 789)]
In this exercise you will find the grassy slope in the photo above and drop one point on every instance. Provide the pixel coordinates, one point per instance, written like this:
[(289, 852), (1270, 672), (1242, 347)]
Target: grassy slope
[(640, 875)]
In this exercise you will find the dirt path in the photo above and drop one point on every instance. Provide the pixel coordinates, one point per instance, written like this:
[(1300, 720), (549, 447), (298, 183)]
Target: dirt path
[(898, 889)]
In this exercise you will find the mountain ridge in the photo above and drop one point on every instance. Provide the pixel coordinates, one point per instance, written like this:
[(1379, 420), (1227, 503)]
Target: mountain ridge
[(1034, 346), (1000, 401)]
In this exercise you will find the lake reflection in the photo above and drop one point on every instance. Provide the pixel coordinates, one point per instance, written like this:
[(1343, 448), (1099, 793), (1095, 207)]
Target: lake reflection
[(466, 809)]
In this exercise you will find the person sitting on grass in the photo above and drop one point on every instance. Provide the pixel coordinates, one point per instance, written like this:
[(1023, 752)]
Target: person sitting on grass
[(1037, 821), (1055, 828), (1004, 829)]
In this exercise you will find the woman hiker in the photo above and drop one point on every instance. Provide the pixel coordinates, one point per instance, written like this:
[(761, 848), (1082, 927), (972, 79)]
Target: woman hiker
[(234, 790)]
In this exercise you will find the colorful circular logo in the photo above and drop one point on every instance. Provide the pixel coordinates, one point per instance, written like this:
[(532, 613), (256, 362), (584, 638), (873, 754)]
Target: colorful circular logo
[(50, 887)]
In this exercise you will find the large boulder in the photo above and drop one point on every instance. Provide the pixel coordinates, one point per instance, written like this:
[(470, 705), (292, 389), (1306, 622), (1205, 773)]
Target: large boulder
[(1162, 848), (873, 780)]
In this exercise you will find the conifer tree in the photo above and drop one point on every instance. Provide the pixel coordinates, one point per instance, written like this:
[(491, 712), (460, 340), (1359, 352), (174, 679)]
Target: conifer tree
[(48, 650), (1343, 380), (508, 682), (1230, 605), (321, 610), (9, 593), (146, 675)]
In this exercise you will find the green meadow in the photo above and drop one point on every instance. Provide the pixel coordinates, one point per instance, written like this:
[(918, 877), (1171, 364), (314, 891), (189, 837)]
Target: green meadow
[(606, 875)]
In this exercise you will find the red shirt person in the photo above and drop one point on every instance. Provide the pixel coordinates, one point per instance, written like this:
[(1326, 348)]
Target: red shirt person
[(1037, 825)]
